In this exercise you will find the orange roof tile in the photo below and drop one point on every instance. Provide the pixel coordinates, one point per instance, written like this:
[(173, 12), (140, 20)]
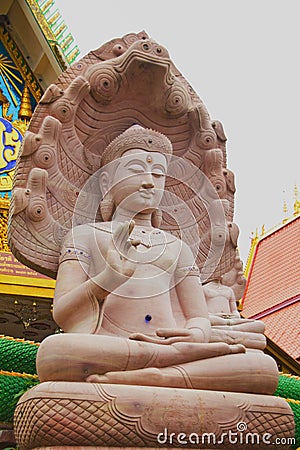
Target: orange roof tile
[(275, 272), (282, 327)]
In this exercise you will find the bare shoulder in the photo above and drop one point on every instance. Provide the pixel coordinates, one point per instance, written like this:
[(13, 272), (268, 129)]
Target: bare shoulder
[(187, 260), (181, 249), (76, 245), (185, 248), (84, 233)]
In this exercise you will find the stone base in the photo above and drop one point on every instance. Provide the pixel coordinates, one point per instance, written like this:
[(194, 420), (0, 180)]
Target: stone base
[(7, 438), (71, 415)]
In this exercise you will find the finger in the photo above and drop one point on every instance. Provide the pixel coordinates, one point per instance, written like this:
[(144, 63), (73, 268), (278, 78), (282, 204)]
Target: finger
[(171, 332), (118, 230), (175, 339), (116, 236), (240, 321), (131, 226), (120, 234), (124, 236), (145, 338), (238, 348)]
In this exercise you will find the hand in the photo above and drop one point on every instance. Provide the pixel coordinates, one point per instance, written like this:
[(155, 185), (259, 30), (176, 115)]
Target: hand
[(120, 256), (249, 340), (167, 336), (231, 320)]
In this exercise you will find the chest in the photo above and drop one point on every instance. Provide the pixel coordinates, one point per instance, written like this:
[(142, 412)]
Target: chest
[(152, 255)]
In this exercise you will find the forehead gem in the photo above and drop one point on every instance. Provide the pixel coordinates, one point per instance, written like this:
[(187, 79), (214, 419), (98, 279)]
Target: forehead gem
[(149, 159)]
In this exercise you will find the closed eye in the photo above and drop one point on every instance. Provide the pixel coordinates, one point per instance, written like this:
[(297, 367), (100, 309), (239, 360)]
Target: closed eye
[(158, 171), (157, 174), (136, 168)]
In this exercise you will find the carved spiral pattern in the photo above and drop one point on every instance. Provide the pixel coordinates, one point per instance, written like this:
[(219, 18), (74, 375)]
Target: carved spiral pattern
[(219, 235), (206, 139), (104, 84), (70, 196), (59, 234), (62, 110), (145, 46), (44, 157), (219, 184), (131, 38), (170, 78), (36, 210), (176, 101)]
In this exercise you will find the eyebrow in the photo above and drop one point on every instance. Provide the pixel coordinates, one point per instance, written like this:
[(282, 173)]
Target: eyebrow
[(144, 165), (135, 161), (159, 166)]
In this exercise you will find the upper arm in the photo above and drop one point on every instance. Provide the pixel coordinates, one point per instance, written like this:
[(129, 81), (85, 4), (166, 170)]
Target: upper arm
[(70, 275), (232, 302), (188, 285), (74, 261)]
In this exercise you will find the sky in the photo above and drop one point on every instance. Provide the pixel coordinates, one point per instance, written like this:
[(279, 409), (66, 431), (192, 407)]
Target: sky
[(242, 58)]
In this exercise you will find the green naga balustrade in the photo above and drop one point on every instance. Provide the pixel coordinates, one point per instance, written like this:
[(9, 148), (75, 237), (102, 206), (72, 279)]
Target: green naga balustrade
[(18, 374)]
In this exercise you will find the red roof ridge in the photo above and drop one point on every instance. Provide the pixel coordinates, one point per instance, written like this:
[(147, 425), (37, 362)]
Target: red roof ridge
[(276, 228), (275, 308)]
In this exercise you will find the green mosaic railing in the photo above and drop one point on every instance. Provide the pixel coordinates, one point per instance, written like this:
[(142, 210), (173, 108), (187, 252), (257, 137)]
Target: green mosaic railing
[(18, 374)]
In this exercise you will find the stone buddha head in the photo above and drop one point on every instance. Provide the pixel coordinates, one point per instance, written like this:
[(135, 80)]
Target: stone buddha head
[(134, 167)]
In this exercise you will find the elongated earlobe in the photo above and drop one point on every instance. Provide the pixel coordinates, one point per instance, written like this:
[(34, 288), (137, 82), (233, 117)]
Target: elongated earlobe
[(107, 208), (156, 218)]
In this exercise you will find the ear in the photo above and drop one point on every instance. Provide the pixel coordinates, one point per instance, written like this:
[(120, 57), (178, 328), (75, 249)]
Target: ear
[(104, 182)]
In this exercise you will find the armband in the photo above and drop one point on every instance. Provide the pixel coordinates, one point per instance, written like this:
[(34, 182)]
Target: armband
[(187, 271), (72, 253)]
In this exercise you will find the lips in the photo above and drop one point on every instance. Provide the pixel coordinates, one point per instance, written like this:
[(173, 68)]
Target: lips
[(147, 194)]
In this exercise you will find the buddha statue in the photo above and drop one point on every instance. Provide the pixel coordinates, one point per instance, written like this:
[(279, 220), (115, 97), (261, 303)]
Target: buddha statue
[(220, 299), (227, 323), (114, 287), (126, 222)]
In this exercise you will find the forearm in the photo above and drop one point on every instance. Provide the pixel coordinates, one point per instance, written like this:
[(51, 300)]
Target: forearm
[(192, 302), (233, 307), (78, 310)]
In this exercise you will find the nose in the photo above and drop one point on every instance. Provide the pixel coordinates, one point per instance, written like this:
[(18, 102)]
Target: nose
[(147, 185), (147, 182)]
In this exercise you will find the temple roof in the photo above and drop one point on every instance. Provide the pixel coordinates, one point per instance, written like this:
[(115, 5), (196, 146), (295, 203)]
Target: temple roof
[(283, 328), (272, 292), (37, 38)]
